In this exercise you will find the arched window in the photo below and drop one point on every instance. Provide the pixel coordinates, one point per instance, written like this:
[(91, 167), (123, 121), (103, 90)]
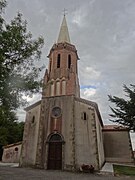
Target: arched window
[(55, 137), (58, 61), (16, 148), (33, 119), (50, 65), (69, 61), (84, 116)]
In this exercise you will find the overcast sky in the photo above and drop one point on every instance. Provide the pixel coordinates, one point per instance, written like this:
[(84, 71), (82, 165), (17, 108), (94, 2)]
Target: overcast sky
[(103, 32)]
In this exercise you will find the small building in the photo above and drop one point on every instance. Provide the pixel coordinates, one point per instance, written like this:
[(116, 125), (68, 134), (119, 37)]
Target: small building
[(117, 144), (11, 153)]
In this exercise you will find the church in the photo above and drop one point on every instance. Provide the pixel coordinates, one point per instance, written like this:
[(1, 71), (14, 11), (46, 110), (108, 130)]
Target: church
[(62, 130)]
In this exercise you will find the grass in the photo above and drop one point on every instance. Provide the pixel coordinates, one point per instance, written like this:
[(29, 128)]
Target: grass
[(124, 170)]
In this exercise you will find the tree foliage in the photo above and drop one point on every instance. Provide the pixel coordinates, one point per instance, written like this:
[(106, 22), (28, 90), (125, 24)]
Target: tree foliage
[(124, 113), (19, 72)]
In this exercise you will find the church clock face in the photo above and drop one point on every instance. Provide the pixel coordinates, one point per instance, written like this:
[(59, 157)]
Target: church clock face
[(56, 112)]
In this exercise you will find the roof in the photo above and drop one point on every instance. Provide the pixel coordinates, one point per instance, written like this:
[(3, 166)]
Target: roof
[(63, 34), (12, 145), (32, 106), (114, 128), (63, 45)]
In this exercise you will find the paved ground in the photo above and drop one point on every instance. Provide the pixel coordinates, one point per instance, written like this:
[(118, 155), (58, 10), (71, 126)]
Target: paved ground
[(15, 173), (108, 167)]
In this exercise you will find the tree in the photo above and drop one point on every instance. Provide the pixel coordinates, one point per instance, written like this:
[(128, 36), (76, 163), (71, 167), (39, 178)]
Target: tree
[(19, 72), (124, 113)]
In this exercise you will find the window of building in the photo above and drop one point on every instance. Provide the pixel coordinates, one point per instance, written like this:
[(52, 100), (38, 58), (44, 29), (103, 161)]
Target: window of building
[(33, 119), (84, 116), (55, 138), (50, 65), (58, 61), (16, 149), (69, 61)]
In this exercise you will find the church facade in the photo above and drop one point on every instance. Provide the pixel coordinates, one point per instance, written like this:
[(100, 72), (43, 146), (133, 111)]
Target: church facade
[(62, 130)]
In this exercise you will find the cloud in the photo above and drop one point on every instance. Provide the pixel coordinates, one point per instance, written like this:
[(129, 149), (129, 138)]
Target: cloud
[(88, 74), (105, 44), (87, 86), (92, 72), (87, 93), (79, 16), (103, 33)]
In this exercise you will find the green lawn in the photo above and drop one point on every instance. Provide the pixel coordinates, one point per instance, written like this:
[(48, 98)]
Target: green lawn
[(124, 170)]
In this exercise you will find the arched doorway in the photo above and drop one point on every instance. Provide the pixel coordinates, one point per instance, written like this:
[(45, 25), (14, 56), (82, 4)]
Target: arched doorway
[(55, 152)]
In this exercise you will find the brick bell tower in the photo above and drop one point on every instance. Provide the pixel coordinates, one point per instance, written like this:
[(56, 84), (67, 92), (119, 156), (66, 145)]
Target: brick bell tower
[(61, 77), (60, 86)]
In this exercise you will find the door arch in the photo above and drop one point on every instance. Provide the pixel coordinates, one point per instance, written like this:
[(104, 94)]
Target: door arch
[(55, 142)]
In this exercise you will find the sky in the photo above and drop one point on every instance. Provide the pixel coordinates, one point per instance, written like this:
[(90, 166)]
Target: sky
[(103, 32)]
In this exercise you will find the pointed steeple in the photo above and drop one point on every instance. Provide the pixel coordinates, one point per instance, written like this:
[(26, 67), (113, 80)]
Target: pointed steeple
[(63, 34)]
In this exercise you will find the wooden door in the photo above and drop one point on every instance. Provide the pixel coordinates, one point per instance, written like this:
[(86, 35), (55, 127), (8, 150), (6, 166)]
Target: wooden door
[(55, 155)]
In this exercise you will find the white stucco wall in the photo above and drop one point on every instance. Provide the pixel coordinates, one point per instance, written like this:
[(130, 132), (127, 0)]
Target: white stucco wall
[(30, 137), (117, 145), (11, 153), (68, 131), (100, 146), (85, 136)]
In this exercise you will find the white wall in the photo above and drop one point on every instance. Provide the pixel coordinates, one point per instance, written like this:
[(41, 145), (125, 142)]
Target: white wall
[(11, 153), (85, 136), (30, 137)]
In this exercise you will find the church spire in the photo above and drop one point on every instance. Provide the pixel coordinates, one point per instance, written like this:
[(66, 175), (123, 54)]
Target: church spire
[(64, 34), (61, 79)]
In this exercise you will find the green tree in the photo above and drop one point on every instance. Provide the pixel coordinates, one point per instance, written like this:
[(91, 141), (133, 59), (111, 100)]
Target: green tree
[(19, 72), (124, 113)]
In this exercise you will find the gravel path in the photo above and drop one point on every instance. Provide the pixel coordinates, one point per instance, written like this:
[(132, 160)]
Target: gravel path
[(15, 173)]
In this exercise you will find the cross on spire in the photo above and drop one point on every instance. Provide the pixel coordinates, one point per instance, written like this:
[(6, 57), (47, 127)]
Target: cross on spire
[(64, 12), (64, 34)]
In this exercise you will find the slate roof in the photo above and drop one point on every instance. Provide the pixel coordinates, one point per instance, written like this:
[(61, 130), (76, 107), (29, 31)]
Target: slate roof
[(63, 34)]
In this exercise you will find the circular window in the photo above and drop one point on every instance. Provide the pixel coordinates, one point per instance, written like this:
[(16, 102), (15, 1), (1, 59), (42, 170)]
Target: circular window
[(56, 112), (16, 149)]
